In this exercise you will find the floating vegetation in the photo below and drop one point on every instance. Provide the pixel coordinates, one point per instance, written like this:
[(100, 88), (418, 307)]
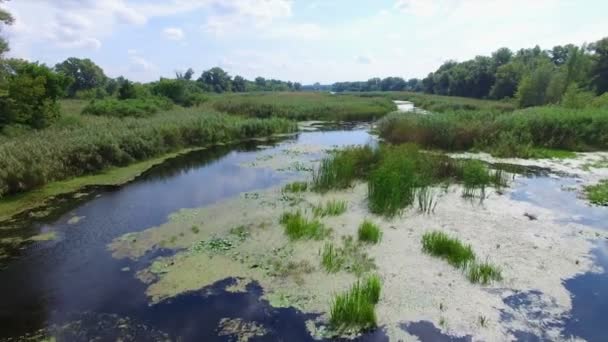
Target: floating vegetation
[(195, 229), (295, 187), (598, 193), (483, 273), (299, 227), (369, 232), (331, 208), (441, 245), (215, 245), (354, 310), (461, 256), (350, 257), (240, 232)]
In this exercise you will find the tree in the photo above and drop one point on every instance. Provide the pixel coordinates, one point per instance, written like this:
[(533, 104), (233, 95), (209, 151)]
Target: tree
[(297, 86), (185, 76), (215, 79), (32, 94), (127, 91), (501, 57), (532, 89), (260, 82), (239, 84), (84, 73), (599, 70)]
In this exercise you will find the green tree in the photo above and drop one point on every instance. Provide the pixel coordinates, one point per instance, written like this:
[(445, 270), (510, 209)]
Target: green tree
[(599, 70), (32, 94), (507, 79), (127, 90), (215, 79), (239, 84), (532, 89), (297, 86), (84, 73)]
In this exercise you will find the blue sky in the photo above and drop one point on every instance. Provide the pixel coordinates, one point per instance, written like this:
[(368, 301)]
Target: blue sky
[(306, 41)]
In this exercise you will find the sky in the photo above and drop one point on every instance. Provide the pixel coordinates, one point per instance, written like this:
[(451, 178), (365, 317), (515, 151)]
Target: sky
[(305, 41)]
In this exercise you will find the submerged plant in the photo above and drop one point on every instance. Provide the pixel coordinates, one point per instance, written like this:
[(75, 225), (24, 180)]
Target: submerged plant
[(299, 227), (354, 310), (450, 249), (369, 232), (331, 208)]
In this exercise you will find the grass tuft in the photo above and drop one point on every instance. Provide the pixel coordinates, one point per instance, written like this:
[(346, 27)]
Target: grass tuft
[(483, 273), (295, 187), (598, 193), (298, 227), (440, 245), (354, 310), (350, 257), (340, 169), (369, 232), (331, 208)]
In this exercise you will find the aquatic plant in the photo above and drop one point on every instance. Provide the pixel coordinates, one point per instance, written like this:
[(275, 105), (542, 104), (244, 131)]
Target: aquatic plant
[(195, 229), (598, 193), (354, 310), (483, 273), (240, 232), (215, 244), (439, 244), (299, 227), (295, 187), (369, 232), (427, 201), (341, 168), (331, 208), (349, 257)]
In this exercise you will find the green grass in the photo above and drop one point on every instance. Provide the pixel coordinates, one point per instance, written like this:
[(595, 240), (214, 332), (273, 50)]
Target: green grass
[(142, 107), (483, 273), (537, 132), (461, 256), (441, 245), (304, 106), (89, 144), (350, 257), (330, 208), (298, 227), (598, 193), (369, 232), (341, 168), (354, 310), (295, 187)]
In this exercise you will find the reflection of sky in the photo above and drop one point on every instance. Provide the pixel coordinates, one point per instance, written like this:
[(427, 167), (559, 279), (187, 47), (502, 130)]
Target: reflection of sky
[(551, 193)]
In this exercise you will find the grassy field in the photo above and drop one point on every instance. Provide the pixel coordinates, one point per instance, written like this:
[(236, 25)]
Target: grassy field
[(440, 104), (530, 133), (304, 106), (79, 145)]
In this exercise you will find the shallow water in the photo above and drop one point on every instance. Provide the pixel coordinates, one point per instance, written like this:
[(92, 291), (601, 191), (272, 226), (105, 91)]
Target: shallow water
[(74, 278)]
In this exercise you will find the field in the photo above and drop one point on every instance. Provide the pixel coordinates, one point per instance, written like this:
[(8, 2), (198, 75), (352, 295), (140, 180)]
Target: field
[(304, 106)]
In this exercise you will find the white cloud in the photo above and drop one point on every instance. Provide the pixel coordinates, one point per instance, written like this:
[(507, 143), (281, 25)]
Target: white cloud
[(140, 64), (173, 33), (363, 60), (418, 7)]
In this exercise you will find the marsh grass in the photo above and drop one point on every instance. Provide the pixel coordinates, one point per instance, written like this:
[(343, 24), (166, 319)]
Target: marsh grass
[(295, 187), (598, 193), (341, 168), (483, 273), (298, 227), (330, 208), (427, 200), (350, 257), (369, 232), (441, 245), (354, 310)]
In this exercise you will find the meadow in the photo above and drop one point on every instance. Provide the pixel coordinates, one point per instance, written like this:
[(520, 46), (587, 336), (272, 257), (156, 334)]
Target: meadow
[(304, 106)]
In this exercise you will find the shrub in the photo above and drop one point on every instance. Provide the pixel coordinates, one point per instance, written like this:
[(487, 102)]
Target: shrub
[(369, 232)]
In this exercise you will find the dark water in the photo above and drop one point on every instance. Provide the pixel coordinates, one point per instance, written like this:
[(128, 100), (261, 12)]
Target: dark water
[(74, 278)]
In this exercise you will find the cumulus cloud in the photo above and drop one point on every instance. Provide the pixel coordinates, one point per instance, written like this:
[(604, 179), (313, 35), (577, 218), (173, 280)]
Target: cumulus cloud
[(173, 33)]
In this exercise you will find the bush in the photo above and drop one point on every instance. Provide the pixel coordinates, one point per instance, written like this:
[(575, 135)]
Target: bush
[(130, 107), (181, 92)]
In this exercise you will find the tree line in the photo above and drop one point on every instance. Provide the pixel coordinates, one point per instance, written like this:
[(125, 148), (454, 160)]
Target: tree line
[(532, 76)]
